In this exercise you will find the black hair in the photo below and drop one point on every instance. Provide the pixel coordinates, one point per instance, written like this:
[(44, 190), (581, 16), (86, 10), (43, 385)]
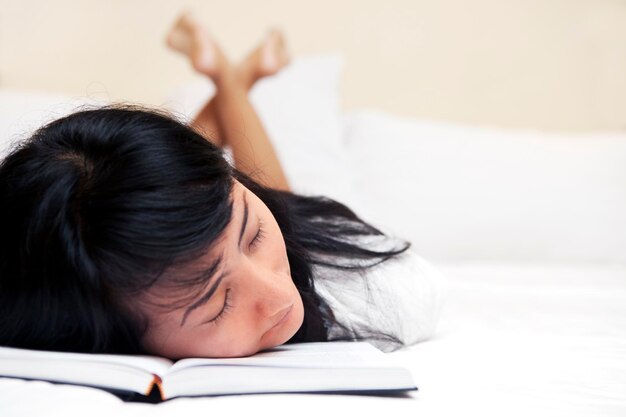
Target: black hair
[(97, 206)]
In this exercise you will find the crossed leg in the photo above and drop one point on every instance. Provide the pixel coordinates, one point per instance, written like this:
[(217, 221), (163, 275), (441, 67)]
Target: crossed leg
[(229, 118)]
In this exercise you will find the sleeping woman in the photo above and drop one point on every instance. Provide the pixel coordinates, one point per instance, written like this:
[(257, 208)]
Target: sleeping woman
[(125, 230)]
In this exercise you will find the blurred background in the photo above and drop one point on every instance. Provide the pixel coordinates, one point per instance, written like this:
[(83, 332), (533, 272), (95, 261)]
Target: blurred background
[(481, 130), (554, 65)]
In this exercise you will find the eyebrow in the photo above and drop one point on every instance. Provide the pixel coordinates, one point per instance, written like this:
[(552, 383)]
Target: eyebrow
[(245, 220), (210, 272)]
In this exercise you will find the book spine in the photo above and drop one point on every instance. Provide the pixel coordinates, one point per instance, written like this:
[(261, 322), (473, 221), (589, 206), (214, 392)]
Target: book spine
[(157, 383)]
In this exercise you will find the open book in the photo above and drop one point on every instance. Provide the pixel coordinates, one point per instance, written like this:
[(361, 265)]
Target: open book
[(349, 367)]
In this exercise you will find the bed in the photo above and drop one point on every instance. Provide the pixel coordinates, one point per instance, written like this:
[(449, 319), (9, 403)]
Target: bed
[(527, 227)]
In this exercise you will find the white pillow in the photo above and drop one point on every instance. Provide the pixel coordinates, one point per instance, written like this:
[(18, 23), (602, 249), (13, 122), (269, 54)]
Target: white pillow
[(300, 109), (462, 193)]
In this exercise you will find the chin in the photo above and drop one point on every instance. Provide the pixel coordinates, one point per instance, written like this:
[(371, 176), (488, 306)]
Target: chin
[(246, 353)]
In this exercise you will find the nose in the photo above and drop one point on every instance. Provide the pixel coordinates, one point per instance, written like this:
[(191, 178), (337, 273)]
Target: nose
[(272, 290)]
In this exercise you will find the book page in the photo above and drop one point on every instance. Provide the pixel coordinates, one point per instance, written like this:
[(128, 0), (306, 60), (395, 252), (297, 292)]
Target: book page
[(151, 364), (304, 355)]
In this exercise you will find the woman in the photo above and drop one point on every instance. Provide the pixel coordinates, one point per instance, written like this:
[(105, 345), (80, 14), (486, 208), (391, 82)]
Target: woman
[(126, 231)]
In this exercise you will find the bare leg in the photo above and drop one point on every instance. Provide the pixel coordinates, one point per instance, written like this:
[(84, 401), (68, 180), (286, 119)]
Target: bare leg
[(192, 39), (230, 113), (205, 121), (252, 150), (254, 67)]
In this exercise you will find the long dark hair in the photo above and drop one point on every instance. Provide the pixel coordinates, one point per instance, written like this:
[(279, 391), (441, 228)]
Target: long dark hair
[(97, 206)]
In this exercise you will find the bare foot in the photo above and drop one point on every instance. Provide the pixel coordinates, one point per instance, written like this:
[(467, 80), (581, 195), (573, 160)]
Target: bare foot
[(190, 38), (269, 57)]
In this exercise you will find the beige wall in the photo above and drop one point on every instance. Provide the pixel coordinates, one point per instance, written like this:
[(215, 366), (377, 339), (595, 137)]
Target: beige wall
[(550, 64)]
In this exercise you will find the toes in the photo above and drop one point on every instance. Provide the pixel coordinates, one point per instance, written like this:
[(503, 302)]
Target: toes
[(187, 20), (277, 39), (268, 57)]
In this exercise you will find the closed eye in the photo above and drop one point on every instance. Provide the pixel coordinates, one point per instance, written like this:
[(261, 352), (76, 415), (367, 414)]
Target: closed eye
[(260, 234), (227, 306)]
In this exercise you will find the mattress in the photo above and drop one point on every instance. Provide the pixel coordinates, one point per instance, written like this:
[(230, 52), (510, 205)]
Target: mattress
[(514, 339)]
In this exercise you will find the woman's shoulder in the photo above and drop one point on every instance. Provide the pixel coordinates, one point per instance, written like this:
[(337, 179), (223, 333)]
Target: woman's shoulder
[(404, 294)]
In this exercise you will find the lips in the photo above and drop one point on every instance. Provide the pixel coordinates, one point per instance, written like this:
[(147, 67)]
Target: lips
[(283, 317)]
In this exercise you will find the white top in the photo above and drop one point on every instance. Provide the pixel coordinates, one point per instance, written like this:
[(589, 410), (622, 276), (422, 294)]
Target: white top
[(402, 296)]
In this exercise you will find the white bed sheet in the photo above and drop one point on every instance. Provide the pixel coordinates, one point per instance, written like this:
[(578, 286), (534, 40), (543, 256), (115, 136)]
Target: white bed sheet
[(513, 340)]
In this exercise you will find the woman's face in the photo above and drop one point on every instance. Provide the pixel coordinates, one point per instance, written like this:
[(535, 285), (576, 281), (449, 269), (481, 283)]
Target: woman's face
[(252, 303)]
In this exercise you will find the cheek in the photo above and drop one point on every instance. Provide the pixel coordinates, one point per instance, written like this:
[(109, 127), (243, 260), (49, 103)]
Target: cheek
[(239, 338), (207, 343), (236, 336)]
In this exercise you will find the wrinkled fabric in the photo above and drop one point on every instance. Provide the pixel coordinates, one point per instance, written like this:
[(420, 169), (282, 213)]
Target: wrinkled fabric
[(402, 296)]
